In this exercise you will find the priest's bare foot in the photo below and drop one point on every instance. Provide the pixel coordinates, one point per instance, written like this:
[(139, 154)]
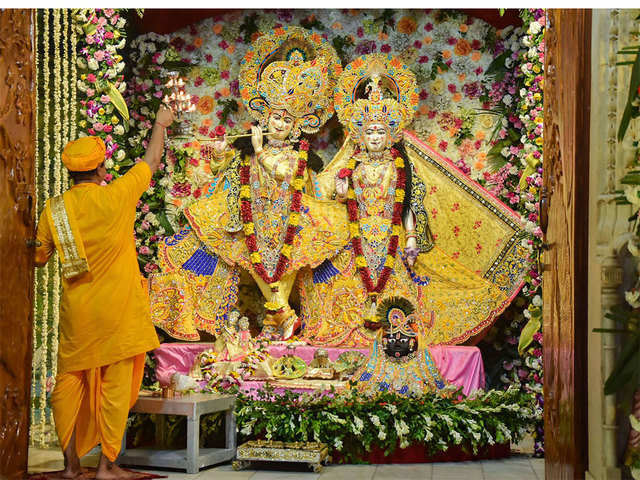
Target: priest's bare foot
[(72, 468), (108, 470)]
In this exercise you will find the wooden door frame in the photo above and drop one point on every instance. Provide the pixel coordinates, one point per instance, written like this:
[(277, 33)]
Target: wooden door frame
[(17, 224), (567, 97)]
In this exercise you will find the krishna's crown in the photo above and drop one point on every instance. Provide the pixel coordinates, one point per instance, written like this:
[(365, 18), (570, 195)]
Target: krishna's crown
[(396, 314), (296, 86), (291, 69)]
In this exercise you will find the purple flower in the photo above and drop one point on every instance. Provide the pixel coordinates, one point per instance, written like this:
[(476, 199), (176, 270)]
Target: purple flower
[(366, 47)]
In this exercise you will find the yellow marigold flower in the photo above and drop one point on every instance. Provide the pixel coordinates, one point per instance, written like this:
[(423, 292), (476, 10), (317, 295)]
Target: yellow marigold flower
[(395, 230), (351, 194), (114, 119), (399, 195), (101, 111), (354, 229), (303, 155), (298, 184), (539, 141), (537, 96), (294, 219), (360, 261), (389, 261), (116, 168), (245, 192), (536, 68), (286, 250), (249, 228), (256, 258), (399, 162)]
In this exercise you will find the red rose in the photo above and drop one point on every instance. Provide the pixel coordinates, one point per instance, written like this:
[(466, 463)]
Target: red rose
[(393, 245), (220, 131), (304, 145), (197, 193), (296, 201), (345, 173), (244, 174), (251, 243)]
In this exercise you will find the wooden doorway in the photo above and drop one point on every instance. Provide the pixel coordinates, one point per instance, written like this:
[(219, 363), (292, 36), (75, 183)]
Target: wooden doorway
[(17, 144), (566, 181)]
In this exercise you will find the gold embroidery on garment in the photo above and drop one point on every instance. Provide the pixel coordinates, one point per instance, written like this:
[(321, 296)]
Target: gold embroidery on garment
[(72, 262)]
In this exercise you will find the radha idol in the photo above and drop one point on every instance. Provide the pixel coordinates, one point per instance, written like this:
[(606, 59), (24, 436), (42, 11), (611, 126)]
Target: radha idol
[(420, 229), (263, 216)]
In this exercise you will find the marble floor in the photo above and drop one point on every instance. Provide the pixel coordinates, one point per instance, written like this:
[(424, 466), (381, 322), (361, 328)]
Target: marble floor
[(518, 467)]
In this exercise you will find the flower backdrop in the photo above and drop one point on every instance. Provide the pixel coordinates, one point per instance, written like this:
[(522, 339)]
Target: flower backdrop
[(480, 106)]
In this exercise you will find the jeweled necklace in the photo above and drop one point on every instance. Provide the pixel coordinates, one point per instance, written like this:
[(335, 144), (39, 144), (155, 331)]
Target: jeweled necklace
[(396, 221), (246, 213)]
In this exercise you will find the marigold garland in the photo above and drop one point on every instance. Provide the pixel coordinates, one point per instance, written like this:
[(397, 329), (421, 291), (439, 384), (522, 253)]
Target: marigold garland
[(246, 213), (396, 221)]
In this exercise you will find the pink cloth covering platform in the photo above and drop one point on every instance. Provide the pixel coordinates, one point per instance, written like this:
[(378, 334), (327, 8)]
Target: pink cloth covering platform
[(462, 366)]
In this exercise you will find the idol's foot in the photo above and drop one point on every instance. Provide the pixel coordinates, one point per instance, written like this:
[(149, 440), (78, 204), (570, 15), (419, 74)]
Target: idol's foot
[(72, 472), (291, 325)]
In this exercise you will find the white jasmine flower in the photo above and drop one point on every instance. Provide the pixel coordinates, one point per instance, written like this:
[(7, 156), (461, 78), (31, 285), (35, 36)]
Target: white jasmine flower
[(337, 443)]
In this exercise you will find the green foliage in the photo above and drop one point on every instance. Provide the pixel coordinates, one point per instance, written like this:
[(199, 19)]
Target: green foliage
[(631, 111), (229, 106), (353, 424), (249, 27)]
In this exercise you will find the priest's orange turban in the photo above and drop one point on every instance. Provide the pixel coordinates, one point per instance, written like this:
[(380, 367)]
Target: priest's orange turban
[(83, 154)]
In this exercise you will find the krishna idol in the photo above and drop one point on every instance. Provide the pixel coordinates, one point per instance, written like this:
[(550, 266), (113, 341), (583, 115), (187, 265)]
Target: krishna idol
[(419, 228), (263, 216)]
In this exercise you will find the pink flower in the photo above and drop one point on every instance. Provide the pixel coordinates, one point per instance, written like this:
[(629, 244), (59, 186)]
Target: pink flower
[(91, 78), (150, 267), (99, 55), (145, 225), (90, 92), (145, 208), (98, 126), (158, 94), (144, 250), (105, 98), (109, 35), (108, 128), (108, 177)]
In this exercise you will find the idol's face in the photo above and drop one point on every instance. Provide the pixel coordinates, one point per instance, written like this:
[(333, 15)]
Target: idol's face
[(375, 137), (398, 345), (280, 124)]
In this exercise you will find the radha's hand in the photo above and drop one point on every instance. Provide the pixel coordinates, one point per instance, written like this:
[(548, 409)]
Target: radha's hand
[(342, 186), (411, 250), (256, 139)]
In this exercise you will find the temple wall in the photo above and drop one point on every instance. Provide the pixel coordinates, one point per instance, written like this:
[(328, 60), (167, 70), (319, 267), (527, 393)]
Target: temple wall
[(608, 230)]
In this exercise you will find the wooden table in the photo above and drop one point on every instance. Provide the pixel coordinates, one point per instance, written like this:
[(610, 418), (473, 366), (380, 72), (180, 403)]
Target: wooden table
[(191, 406)]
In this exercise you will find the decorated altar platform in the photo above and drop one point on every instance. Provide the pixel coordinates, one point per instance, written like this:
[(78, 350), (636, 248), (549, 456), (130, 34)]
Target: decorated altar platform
[(459, 365)]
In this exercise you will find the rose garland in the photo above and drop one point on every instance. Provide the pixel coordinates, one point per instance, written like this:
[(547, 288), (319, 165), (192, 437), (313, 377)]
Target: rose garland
[(294, 219), (396, 221)]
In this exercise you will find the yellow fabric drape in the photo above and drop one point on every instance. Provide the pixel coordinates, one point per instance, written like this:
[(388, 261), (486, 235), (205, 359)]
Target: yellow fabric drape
[(96, 403)]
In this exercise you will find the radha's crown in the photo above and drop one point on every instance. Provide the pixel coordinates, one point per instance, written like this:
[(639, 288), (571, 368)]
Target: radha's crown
[(386, 76)]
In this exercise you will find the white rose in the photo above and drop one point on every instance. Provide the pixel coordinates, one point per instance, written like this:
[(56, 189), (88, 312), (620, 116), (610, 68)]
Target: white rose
[(82, 63), (121, 44), (122, 87), (118, 130), (507, 99), (120, 155), (93, 64), (108, 163), (82, 86), (535, 27), (144, 111), (632, 297), (120, 67), (121, 22)]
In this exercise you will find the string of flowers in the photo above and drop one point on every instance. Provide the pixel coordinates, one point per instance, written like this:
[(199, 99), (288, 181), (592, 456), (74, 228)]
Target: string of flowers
[(246, 213), (58, 189), (37, 170), (47, 270), (396, 222)]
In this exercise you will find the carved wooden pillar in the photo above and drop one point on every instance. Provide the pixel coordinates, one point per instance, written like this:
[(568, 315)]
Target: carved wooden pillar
[(566, 156), (17, 143)]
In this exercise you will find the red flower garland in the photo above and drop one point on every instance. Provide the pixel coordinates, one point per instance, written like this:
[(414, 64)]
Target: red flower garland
[(396, 220), (246, 214)]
